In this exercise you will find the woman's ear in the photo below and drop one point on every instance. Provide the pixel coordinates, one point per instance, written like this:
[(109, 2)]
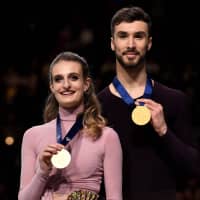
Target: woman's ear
[(51, 88), (87, 84)]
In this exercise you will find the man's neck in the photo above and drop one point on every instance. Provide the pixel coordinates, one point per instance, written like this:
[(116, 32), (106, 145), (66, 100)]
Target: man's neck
[(133, 81)]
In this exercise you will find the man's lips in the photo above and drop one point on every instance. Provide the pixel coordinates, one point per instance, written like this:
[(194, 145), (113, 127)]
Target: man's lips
[(131, 55)]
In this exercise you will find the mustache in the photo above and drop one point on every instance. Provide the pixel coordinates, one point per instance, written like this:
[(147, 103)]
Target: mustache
[(132, 50)]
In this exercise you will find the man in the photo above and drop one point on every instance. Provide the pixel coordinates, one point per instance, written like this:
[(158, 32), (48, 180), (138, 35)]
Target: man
[(152, 120)]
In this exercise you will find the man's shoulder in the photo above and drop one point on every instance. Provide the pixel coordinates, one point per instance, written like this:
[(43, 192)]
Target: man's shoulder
[(103, 93), (167, 90)]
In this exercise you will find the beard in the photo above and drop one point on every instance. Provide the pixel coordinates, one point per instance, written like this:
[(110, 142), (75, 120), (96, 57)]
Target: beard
[(130, 64)]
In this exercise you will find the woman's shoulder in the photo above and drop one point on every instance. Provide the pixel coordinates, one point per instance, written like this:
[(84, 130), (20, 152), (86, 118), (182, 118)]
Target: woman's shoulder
[(41, 128), (108, 133)]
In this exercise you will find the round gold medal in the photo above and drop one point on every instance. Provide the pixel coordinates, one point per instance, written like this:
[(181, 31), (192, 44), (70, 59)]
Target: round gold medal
[(61, 159), (141, 115)]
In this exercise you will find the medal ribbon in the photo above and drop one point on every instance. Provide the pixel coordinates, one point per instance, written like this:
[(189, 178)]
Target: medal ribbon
[(126, 97), (72, 132)]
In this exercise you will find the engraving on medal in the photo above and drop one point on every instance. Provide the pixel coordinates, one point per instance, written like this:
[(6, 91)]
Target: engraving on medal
[(61, 159), (141, 115)]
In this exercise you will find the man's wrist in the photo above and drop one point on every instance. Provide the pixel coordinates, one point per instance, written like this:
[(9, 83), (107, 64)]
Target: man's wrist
[(162, 131)]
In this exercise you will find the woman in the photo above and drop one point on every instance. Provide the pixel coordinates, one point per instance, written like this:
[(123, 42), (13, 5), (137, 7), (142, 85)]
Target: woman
[(73, 122)]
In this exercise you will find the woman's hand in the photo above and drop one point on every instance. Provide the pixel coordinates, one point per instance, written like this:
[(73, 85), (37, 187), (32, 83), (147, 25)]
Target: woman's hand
[(46, 154)]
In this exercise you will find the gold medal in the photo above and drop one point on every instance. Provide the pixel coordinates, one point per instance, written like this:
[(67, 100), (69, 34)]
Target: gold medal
[(61, 159), (141, 115)]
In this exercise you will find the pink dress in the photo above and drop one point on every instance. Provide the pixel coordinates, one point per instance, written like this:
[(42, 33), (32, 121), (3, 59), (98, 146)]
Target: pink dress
[(91, 160)]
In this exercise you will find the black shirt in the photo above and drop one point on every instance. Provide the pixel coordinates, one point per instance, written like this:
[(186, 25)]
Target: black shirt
[(152, 164)]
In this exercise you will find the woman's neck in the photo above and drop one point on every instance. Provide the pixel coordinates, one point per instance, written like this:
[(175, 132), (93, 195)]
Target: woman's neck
[(70, 114)]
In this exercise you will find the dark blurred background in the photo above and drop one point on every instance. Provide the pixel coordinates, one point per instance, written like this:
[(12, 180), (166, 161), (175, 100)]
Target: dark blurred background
[(33, 33)]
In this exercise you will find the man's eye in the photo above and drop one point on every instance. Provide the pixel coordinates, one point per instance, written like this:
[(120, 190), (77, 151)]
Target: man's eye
[(140, 35), (122, 35)]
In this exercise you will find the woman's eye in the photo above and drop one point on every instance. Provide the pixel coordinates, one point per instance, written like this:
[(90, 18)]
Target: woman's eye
[(139, 36), (57, 78), (74, 77)]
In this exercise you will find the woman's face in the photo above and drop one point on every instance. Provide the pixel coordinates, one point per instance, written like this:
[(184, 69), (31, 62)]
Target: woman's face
[(68, 84)]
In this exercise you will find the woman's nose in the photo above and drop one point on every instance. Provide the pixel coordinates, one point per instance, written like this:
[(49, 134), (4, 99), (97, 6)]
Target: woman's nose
[(66, 83)]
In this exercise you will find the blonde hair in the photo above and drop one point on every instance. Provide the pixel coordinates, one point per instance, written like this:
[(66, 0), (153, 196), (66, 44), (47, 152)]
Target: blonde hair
[(93, 121)]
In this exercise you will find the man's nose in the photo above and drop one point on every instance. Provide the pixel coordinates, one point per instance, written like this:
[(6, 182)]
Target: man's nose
[(131, 42)]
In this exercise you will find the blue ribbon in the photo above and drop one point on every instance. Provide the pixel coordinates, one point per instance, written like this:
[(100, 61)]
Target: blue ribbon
[(126, 97), (72, 132)]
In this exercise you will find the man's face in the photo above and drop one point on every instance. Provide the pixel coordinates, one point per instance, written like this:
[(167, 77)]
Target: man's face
[(130, 42)]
